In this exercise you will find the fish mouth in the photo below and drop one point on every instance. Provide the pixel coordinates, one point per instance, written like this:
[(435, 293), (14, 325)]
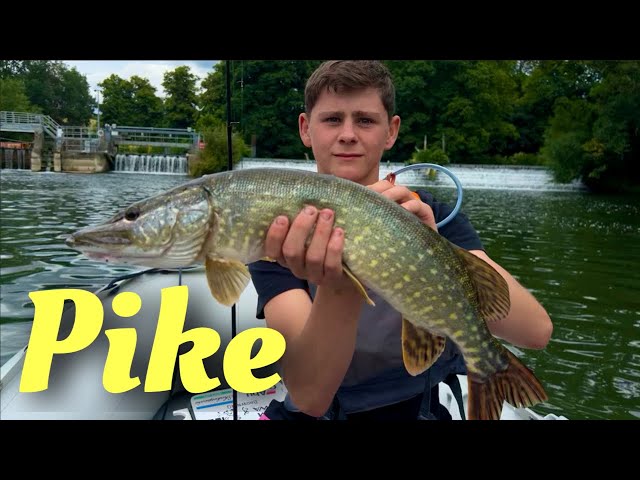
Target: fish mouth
[(100, 239), (115, 247)]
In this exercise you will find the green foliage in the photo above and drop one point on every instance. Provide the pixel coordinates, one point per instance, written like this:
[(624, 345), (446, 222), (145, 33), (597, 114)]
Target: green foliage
[(521, 158), (213, 98), (420, 94), (214, 157), (51, 88), (564, 149), (617, 126), (266, 97), (543, 84), (480, 110), (181, 100), (470, 102), (432, 154), (76, 102), (581, 118), (131, 102), (208, 121), (12, 68), (595, 137), (150, 150), (13, 96), (146, 107)]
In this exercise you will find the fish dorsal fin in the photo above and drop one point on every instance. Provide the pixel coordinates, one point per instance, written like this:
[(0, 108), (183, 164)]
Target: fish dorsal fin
[(420, 348), (357, 283), (227, 279), (491, 288)]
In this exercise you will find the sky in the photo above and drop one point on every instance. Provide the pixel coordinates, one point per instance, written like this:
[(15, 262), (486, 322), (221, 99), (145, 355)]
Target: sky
[(98, 70)]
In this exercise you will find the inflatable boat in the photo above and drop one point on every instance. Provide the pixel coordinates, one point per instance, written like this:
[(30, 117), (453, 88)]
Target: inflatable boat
[(76, 390)]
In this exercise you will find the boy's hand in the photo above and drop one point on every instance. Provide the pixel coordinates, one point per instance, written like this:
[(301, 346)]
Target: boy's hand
[(319, 261), (408, 199)]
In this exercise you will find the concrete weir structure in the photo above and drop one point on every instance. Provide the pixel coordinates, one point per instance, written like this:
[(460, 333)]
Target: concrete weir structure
[(87, 150), (66, 158), (83, 162)]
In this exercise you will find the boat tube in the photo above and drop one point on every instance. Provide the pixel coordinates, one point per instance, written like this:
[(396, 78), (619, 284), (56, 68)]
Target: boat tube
[(76, 390)]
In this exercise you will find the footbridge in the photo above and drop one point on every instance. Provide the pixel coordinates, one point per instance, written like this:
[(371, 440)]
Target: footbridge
[(157, 137)]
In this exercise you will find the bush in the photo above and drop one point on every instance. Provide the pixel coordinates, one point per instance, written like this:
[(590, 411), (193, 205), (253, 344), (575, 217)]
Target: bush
[(430, 155), (214, 157), (433, 155), (522, 158)]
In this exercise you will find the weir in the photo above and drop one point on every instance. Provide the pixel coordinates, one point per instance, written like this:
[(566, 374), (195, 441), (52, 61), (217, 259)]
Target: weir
[(497, 177), (166, 164), (80, 149)]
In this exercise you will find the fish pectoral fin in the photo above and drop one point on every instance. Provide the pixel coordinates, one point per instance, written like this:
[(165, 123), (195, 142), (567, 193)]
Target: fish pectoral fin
[(420, 348), (358, 284), (491, 288), (227, 279)]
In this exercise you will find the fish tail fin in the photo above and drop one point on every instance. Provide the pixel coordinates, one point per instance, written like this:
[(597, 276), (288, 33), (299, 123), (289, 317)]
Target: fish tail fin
[(516, 385)]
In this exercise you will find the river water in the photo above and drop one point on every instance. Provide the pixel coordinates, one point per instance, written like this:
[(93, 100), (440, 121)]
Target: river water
[(578, 253)]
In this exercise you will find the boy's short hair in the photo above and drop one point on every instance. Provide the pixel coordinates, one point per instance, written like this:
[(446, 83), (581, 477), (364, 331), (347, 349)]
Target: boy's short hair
[(346, 75)]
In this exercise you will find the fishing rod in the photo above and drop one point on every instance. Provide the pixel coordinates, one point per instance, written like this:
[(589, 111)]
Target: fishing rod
[(227, 75), (417, 166)]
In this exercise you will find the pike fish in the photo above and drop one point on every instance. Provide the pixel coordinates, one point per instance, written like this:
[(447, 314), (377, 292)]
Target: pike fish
[(442, 291)]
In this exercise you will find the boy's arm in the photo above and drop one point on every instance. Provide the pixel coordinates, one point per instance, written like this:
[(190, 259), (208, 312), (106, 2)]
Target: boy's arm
[(527, 324), (321, 335)]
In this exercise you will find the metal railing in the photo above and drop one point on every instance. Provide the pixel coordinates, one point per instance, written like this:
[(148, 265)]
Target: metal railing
[(82, 145), (79, 133), (165, 137), (28, 122), (76, 138)]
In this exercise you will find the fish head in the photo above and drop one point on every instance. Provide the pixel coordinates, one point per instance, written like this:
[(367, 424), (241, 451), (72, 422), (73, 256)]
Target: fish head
[(165, 231)]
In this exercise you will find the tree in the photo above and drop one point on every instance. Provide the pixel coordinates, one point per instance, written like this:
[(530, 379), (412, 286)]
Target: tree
[(181, 101), (12, 68), (267, 97), (566, 138), (13, 96), (617, 128), (594, 137), (213, 97), (60, 93), (542, 84), (476, 119), (131, 102), (77, 102), (420, 99), (117, 101), (467, 102), (52, 89), (147, 108)]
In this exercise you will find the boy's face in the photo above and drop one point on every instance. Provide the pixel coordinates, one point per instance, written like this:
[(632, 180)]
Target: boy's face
[(348, 133)]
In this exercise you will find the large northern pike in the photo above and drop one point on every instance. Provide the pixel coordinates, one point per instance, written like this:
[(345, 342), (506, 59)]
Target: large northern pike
[(441, 290)]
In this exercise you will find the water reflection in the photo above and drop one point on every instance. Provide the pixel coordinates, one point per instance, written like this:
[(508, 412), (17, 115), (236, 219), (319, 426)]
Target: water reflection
[(579, 254), (38, 211)]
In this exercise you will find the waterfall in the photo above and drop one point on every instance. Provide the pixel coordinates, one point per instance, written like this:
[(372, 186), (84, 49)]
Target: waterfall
[(497, 177), (158, 164)]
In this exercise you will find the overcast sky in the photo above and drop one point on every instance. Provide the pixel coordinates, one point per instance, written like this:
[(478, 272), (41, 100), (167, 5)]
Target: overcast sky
[(98, 70)]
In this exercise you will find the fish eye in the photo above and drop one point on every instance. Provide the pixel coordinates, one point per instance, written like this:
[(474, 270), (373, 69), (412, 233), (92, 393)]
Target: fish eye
[(132, 214)]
